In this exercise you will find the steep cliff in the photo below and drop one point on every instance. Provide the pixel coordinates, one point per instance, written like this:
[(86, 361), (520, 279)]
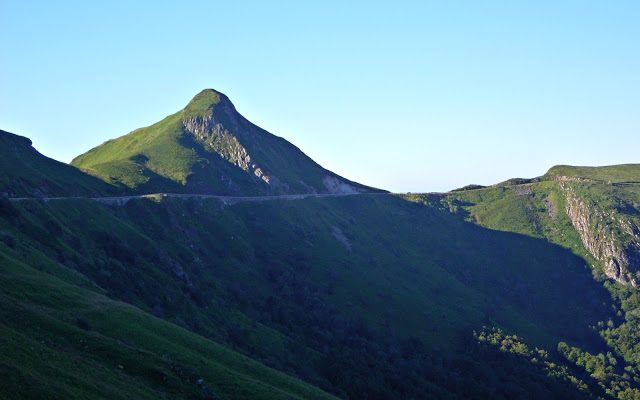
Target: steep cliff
[(593, 210), (611, 237)]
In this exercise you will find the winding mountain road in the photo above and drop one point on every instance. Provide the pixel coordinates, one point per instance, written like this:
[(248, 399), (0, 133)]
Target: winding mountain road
[(120, 200)]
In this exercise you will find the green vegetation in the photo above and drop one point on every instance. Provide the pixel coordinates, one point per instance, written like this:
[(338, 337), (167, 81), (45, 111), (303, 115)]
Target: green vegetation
[(203, 104), (63, 341), (609, 174), (25, 172), (536, 357), (536, 210), (485, 292), (148, 159), (208, 147), (602, 367), (610, 217), (322, 288)]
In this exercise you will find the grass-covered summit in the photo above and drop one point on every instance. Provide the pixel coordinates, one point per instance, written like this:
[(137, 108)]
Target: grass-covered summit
[(208, 147), (610, 173)]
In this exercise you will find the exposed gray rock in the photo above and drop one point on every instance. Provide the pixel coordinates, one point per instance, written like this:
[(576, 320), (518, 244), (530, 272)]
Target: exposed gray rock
[(551, 208), (219, 139), (620, 256), (335, 185)]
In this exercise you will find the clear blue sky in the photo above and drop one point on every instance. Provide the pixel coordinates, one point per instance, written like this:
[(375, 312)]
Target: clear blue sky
[(408, 96)]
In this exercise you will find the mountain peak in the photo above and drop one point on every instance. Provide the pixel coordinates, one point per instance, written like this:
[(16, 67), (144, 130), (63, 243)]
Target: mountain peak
[(204, 103), (208, 147)]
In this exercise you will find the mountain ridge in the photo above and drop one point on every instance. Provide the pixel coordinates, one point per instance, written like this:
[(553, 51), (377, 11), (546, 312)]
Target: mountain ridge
[(523, 289), (208, 147), (26, 172)]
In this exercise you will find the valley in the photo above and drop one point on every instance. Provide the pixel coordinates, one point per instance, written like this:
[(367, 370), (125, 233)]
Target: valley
[(205, 258)]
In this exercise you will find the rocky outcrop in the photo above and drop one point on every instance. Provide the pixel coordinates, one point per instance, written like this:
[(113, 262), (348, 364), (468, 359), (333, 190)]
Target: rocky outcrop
[(200, 126), (215, 136), (550, 206), (611, 239), (565, 178), (337, 186)]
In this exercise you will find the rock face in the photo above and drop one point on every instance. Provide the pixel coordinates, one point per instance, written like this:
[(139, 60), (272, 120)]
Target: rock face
[(208, 147), (335, 185), (213, 121), (219, 139), (608, 236)]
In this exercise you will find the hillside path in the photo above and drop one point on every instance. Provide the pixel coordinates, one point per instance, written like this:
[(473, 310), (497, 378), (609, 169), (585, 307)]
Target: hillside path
[(119, 200)]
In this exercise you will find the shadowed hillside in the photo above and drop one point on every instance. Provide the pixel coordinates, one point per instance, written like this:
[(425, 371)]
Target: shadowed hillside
[(25, 172), (356, 295), (484, 292), (594, 212)]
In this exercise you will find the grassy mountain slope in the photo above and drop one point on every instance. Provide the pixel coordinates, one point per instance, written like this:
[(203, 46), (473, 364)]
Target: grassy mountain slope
[(208, 147), (369, 296), (594, 212), (25, 172), (610, 173), (481, 293), (64, 341)]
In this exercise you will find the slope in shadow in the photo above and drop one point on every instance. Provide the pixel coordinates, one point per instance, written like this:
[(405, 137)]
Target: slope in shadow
[(275, 280)]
